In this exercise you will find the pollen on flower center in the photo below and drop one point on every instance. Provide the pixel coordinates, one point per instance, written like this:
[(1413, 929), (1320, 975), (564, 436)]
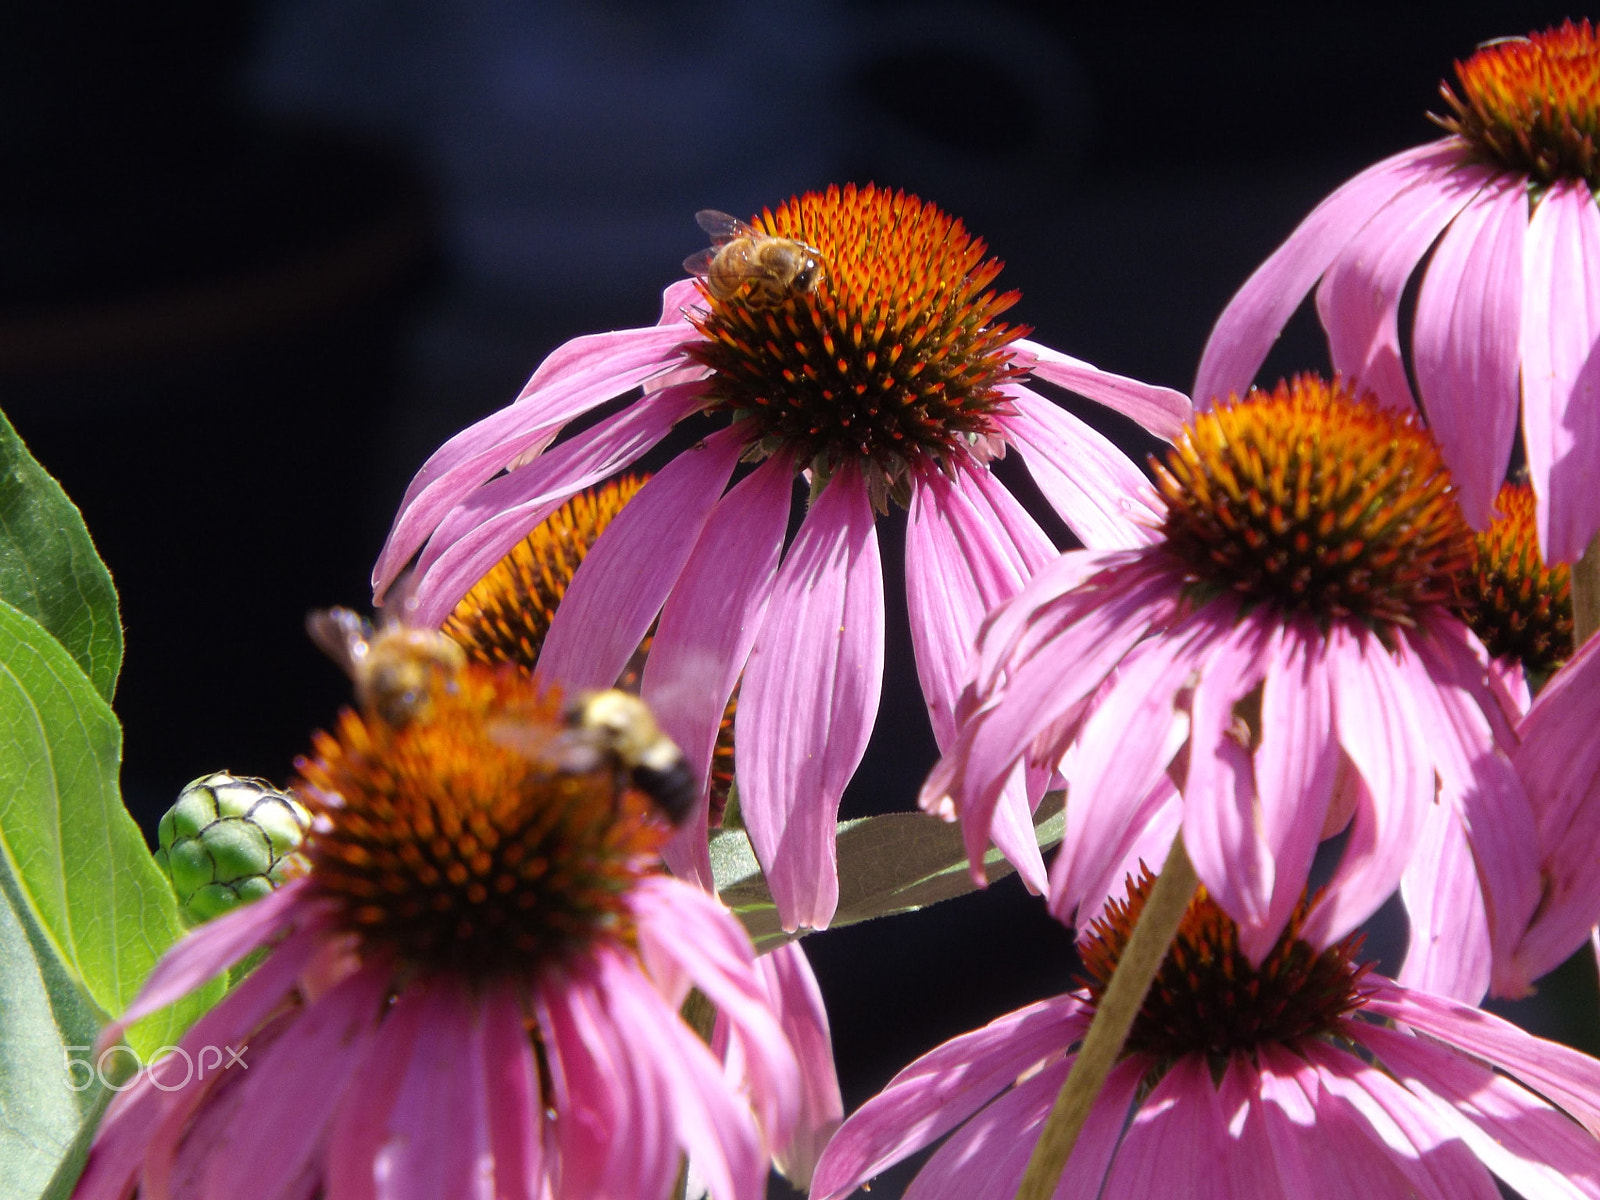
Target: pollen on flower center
[(1533, 104), (462, 842), (1207, 998), (891, 358), (1315, 500), (1518, 607)]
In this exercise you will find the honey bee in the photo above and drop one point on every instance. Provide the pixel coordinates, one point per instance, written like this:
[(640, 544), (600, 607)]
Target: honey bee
[(613, 729), (392, 667), (768, 269)]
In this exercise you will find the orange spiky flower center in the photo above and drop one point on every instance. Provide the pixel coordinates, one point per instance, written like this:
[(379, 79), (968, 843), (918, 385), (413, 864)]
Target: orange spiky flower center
[(1533, 104), (1316, 500), (892, 359), (1207, 998), (461, 842), (505, 617), (1519, 608)]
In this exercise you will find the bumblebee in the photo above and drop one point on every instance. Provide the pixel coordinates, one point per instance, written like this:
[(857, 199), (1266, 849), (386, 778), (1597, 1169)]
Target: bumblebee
[(392, 667)]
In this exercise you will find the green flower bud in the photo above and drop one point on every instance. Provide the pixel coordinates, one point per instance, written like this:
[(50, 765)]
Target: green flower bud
[(228, 841)]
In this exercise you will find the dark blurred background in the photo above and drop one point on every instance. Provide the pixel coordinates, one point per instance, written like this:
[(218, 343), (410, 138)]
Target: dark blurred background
[(258, 258)]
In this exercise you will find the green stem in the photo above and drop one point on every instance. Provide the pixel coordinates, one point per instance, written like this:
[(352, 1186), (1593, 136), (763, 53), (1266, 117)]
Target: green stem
[(1586, 594), (1113, 1017)]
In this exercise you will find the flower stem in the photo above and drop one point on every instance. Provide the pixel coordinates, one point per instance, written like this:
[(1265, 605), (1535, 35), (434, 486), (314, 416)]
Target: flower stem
[(1586, 594), (1113, 1017)]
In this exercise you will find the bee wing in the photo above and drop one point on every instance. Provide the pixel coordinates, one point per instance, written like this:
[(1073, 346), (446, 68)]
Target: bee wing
[(722, 227), (341, 634), (550, 745), (699, 263)]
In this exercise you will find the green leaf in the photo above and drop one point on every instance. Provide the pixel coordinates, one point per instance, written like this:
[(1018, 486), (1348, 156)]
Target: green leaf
[(48, 1104), (49, 568), (890, 864), (80, 864)]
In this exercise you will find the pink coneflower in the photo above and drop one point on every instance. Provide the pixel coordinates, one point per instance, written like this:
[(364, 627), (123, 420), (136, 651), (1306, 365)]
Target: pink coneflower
[(885, 377), (1286, 653), (472, 992), (1509, 306), (1559, 762), (1280, 1079)]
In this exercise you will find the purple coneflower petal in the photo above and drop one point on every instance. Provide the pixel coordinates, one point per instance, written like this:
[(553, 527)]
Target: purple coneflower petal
[(1410, 1150), (1558, 1073), (359, 1130), (495, 517), (943, 1088), (210, 949), (707, 627), (588, 1082), (1380, 732), (716, 1133), (988, 1155), (1220, 825), (810, 698), (1179, 1132), (1259, 310), (1449, 950), (684, 937), (1092, 485), (969, 546), (319, 1051), (1561, 368), (576, 377), (1559, 763), (1468, 326), (1160, 410), (1534, 1148), (1117, 764), (793, 994), (1449, 684), (621, 584), (1146, 840), (1296, 767), (1358, 300), (516, 1110)]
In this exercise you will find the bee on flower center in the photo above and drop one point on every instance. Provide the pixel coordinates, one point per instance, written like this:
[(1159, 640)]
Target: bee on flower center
[(742, 258), (393, 667)]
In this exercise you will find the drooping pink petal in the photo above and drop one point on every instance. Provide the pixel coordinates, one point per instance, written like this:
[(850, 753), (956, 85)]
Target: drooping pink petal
[(1259, 310), (515, 1107), (578, 376), (1092, 485), (1560, 343), (717, 1134), (278, 1128), (1116, 765), (1466, 341), (792, 991), (1219, 792), (1527, 1143), (1160, 410), (943, 1088), (1400, 1133), (810, 698), (1093, 629), (480, 531), (1559, 1073), (1249, 1172), (1465, 736), (1179, 1132), (209, 949), (1449, 952), (619, 587), (969, 547), (683, 929), (360, 1128), (1146, 843), (1359, 297), (706, 630), (1296, 766), (1380, 732), (1559, 763)]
